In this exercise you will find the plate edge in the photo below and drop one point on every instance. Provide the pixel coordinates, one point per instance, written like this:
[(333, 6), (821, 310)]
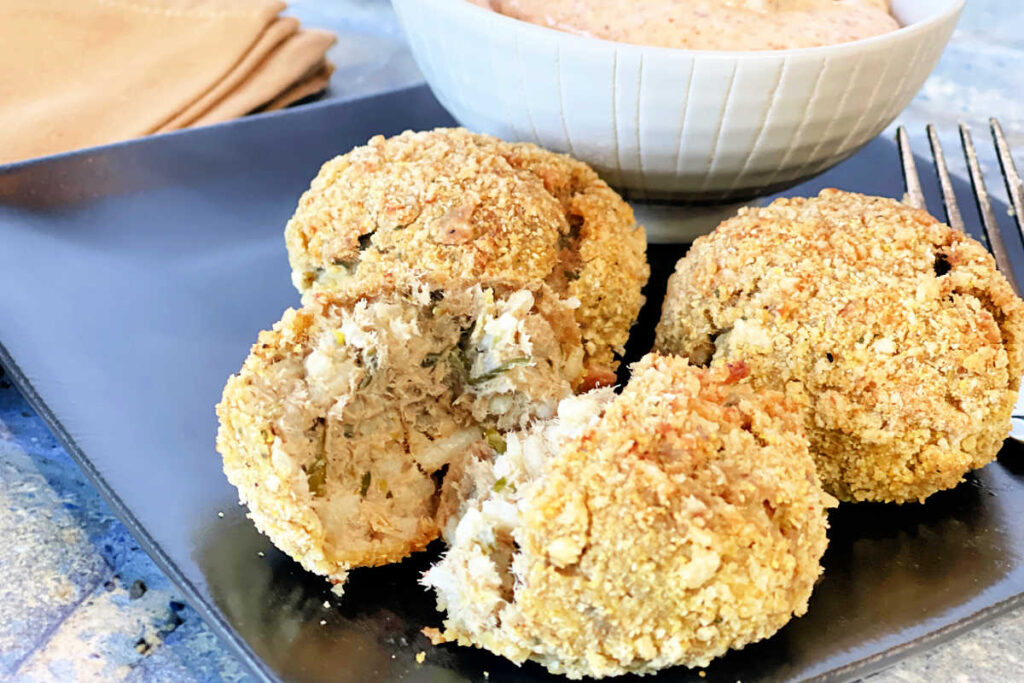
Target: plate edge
[(220, 626)]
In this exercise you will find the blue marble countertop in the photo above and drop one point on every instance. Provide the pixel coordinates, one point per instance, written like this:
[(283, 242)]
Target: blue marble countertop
[(81, 601)]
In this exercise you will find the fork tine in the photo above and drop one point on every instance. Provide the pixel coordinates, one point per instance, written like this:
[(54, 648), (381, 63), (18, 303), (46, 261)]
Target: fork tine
[(988, 216), (953, 216), (911, 180), (1014, 186)]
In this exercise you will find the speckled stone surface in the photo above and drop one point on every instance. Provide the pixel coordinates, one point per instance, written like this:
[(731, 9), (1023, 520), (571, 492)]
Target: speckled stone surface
[(80, 601)]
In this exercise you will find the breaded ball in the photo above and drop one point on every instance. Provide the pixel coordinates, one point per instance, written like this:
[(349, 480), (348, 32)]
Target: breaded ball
[(894, 332), (657, 528), (454, 204), (339, 427)]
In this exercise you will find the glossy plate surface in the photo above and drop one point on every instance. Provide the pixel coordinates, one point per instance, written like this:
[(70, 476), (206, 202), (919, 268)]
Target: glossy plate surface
[(133, 280)]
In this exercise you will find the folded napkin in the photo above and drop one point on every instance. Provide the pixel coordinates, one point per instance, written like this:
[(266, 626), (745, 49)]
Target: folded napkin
[(302, 54), (79, 73)]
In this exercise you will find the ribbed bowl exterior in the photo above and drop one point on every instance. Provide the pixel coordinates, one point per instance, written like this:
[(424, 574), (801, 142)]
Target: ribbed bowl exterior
[(675, 124)]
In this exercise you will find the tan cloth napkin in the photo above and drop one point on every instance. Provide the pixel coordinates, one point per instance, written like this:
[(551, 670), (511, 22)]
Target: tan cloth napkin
[(310, 86), (268, 41), (76, 73), (294, 64)]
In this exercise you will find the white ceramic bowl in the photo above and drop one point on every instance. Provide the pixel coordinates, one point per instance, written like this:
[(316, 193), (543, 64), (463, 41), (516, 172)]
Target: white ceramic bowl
[(675, 124)]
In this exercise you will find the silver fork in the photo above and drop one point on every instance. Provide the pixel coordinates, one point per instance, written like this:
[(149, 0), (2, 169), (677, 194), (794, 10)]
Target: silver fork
[(1014, 188), (993, 234)]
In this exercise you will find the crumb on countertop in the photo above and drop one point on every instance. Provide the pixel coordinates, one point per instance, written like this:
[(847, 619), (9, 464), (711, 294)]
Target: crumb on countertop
[(137, 590)]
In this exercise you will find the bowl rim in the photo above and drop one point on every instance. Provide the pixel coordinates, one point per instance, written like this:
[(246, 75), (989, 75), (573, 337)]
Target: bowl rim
[(482, 14)]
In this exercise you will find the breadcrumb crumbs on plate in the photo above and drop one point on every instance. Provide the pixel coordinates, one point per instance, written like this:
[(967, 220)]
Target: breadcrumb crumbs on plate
[(434, 635)]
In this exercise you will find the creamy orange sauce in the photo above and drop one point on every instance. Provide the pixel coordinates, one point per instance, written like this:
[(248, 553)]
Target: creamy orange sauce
[(709, 24)]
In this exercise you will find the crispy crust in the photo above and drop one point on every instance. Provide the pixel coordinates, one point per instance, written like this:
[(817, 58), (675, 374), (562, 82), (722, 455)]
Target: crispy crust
[(275, 489), (686, 520), (276, 422), (895, 331), (459, 205)]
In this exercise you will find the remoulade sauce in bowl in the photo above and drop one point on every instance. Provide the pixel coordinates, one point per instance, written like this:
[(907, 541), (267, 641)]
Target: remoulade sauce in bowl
[(709, 24), (670, 122)]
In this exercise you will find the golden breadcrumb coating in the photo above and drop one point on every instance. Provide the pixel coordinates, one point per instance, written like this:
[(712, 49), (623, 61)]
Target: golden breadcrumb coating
[(339, 427), (454, 204), (657, 528), (895, 331)]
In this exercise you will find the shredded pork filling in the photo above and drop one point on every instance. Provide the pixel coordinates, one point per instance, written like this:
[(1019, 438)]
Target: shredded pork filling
[(398, 390), (482, 536)]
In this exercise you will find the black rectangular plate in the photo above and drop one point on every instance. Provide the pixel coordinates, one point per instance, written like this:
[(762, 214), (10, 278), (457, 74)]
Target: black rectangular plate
[(133, 279)]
